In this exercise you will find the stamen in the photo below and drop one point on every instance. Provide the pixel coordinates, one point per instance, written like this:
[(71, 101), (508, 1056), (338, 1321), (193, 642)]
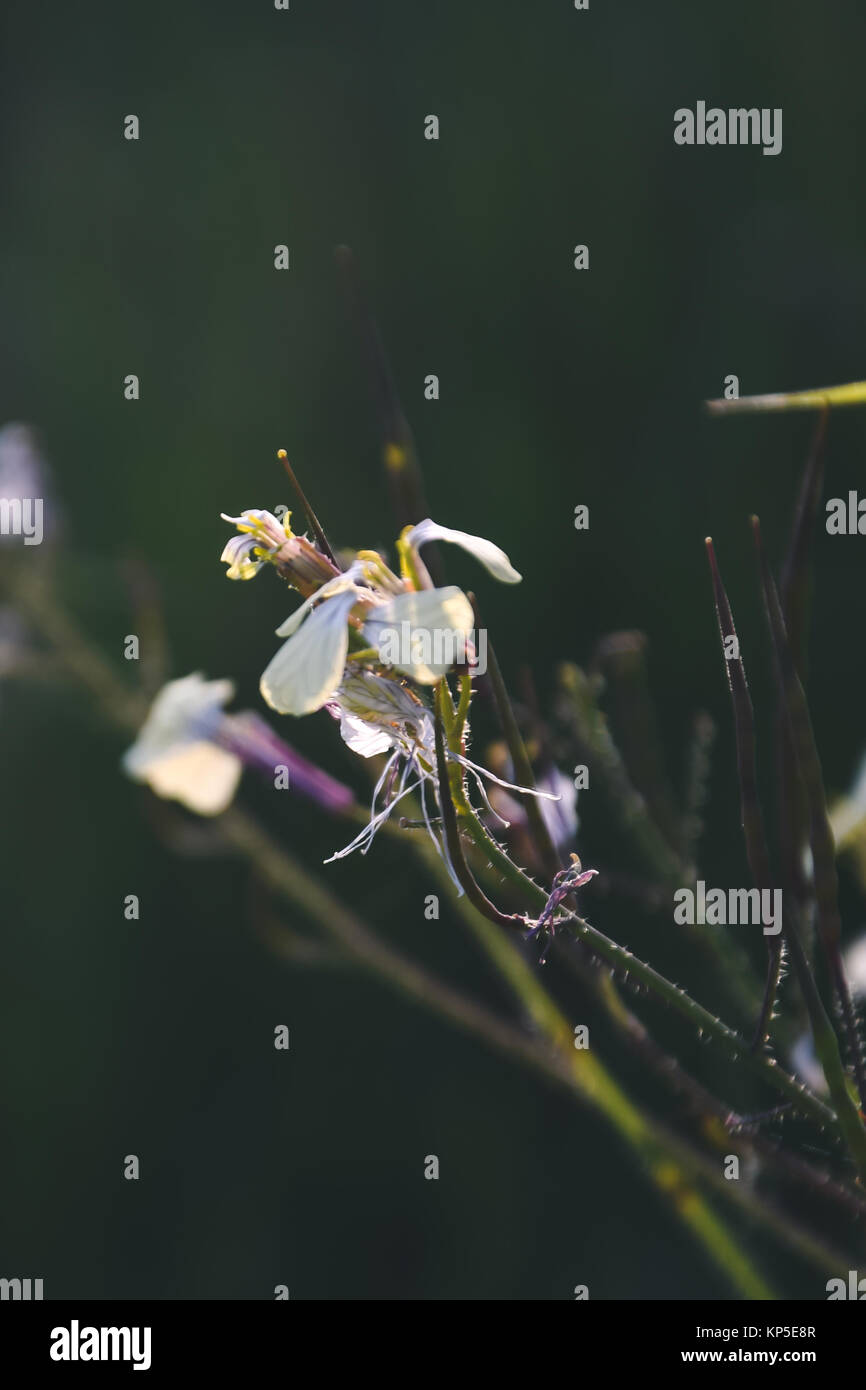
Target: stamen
[(368, 834), (510, 786)]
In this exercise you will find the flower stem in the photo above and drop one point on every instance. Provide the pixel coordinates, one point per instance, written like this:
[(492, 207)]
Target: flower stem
[(854, 393)]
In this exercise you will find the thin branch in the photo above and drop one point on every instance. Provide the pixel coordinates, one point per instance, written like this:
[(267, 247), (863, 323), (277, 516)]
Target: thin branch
[(794, 586), (751, 815)]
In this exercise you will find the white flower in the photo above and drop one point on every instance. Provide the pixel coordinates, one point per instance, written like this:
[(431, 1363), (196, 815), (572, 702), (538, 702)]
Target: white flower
[(174, 753), (236, 554), (264, 539), (189, 750), (342, 624), (261, 534), (307, 670)]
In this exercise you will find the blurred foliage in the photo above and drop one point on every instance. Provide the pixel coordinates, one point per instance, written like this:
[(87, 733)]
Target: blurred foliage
[(557, 388)]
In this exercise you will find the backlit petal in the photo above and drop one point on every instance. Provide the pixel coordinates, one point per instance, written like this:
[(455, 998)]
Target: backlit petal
[(490, 555), (439, 620), (309, 666)]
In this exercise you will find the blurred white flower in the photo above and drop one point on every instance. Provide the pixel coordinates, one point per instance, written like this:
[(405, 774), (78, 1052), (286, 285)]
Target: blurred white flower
[(175, 753), (191, 751)]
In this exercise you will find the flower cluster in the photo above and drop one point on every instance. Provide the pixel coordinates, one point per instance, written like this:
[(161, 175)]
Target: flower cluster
[(335, 656)]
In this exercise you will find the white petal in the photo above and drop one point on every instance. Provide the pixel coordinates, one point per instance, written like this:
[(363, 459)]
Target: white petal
[(184, 712), (439, 621), (256, 517), (491, 557), (339, 584), (201, 776), (309, 666), (236, 555), (362, 737)]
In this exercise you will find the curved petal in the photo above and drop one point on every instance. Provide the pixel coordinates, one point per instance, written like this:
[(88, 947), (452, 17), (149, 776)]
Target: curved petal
[(308, 667), (491, 557), (258, 522), (422, 634), (236, 555)]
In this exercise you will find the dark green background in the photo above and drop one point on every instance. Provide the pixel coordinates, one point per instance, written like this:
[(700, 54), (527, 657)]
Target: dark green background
[(558, 387)]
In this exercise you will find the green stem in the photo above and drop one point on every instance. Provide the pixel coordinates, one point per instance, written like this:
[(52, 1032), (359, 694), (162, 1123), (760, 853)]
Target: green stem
[(699, 1017), (537, 1004)]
